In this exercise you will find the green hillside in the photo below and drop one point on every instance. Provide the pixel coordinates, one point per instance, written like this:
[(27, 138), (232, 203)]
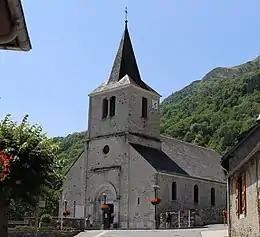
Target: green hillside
[(71, 147), (211, 112), (214, 111)]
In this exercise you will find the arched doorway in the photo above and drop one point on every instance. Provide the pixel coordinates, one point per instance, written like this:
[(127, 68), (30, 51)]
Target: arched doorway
[(109, 191)]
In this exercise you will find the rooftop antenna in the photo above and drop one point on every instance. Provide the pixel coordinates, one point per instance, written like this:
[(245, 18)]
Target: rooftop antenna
[(126, 14)]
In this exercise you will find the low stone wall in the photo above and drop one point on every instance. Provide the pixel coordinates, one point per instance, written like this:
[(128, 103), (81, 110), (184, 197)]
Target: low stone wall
[(192, 218), (42, 233), (76, 223)]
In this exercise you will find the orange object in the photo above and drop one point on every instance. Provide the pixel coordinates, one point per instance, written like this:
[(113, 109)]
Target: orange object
[(104, 206)]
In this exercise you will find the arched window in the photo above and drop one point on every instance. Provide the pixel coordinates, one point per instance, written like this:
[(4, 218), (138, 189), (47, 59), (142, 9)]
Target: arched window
[(144, 107), (112, 106), (105, 108), (212, 197), (174, 191), (196, 194), (138, 200)]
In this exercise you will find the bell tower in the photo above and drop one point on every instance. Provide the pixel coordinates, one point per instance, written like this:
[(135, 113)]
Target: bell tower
[(125, 103)]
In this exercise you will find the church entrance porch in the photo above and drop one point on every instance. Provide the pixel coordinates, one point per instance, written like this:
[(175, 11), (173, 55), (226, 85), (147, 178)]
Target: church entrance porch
[(104, 194)]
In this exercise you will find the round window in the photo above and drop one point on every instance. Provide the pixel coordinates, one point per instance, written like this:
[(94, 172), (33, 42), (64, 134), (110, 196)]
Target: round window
[(106, 149)]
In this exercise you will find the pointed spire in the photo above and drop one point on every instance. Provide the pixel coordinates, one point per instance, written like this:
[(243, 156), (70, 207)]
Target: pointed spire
[(125, 62)]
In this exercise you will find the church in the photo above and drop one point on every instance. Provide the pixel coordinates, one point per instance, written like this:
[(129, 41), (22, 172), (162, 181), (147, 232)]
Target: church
[(126, 159)]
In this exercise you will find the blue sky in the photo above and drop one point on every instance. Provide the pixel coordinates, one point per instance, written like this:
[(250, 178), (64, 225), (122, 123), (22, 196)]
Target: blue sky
[(75, 42)]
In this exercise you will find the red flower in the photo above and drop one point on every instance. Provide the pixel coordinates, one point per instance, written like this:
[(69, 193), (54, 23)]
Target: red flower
[(5, 160), (155, 201)]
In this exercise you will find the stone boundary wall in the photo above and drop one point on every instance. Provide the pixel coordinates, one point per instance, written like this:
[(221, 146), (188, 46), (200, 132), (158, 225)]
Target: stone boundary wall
[(192, 218), (76, 223), (42, 233)]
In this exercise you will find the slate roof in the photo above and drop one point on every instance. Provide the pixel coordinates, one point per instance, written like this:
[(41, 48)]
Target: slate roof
[(158, 159), (195, 160), (241, 139), (124, 65), (183, 158)]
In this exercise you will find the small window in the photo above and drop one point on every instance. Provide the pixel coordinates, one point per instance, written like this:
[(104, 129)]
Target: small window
[(105, 108), (138, 200), (144, 107), (212, 197), (174, 191), (241, 194), (196, 194), (106, 149), (112, 107)]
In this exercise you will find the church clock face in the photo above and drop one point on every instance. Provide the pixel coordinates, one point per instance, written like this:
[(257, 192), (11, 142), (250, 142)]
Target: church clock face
[(155, 104)]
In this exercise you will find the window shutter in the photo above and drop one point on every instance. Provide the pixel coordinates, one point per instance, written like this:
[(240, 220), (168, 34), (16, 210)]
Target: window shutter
[(237, 196), (244, 193)]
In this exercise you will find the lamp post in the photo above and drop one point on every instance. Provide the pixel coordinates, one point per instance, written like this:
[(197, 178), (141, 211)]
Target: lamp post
[(65, 205), (104, 211), (156, 188)]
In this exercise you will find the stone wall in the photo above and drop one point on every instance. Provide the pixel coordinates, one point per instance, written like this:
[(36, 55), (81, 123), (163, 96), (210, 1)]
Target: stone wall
[(185, 188), (192, 218), (42, 233), (75, 223), (247, 225)]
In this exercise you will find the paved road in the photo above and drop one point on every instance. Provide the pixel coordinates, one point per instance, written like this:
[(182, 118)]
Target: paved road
[(211, 231)]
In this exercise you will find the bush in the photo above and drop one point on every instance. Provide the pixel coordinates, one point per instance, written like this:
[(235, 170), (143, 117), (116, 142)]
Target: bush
[(46, 218)]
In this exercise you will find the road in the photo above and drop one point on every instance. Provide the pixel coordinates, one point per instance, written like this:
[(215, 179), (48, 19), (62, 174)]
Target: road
[(210, 231)]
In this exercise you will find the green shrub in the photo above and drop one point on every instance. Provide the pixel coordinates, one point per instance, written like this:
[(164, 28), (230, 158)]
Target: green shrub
[(46, 218)]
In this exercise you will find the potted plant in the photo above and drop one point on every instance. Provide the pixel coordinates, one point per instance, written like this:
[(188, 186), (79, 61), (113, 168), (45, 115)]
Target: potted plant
[(66, 213), (155, 201)]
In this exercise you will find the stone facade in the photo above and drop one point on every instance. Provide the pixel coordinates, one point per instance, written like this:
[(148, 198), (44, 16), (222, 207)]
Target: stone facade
[(185, 193), (126, 156), (247, 225), (244, 159)]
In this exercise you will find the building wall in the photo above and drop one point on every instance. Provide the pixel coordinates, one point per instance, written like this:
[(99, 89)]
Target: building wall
[(117, 178), (74, 188), (185, 193), (249, 224), (142, 179), (119, 123), (128, 111), (149, 126)]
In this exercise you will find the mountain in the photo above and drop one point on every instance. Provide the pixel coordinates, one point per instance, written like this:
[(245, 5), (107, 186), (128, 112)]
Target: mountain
[(71, 147), (213, 112), (210, 112)]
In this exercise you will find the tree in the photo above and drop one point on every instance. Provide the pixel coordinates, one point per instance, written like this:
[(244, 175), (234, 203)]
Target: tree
[(34, 169)]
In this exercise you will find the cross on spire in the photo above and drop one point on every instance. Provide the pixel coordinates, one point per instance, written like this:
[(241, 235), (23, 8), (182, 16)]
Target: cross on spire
[(126, 14)]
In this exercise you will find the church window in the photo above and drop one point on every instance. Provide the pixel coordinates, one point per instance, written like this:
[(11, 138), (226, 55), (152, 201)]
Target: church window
[(196, 194), (112, 106), (106, 149), (144, 107), (212, 197), (174, 191), (105, 108)]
